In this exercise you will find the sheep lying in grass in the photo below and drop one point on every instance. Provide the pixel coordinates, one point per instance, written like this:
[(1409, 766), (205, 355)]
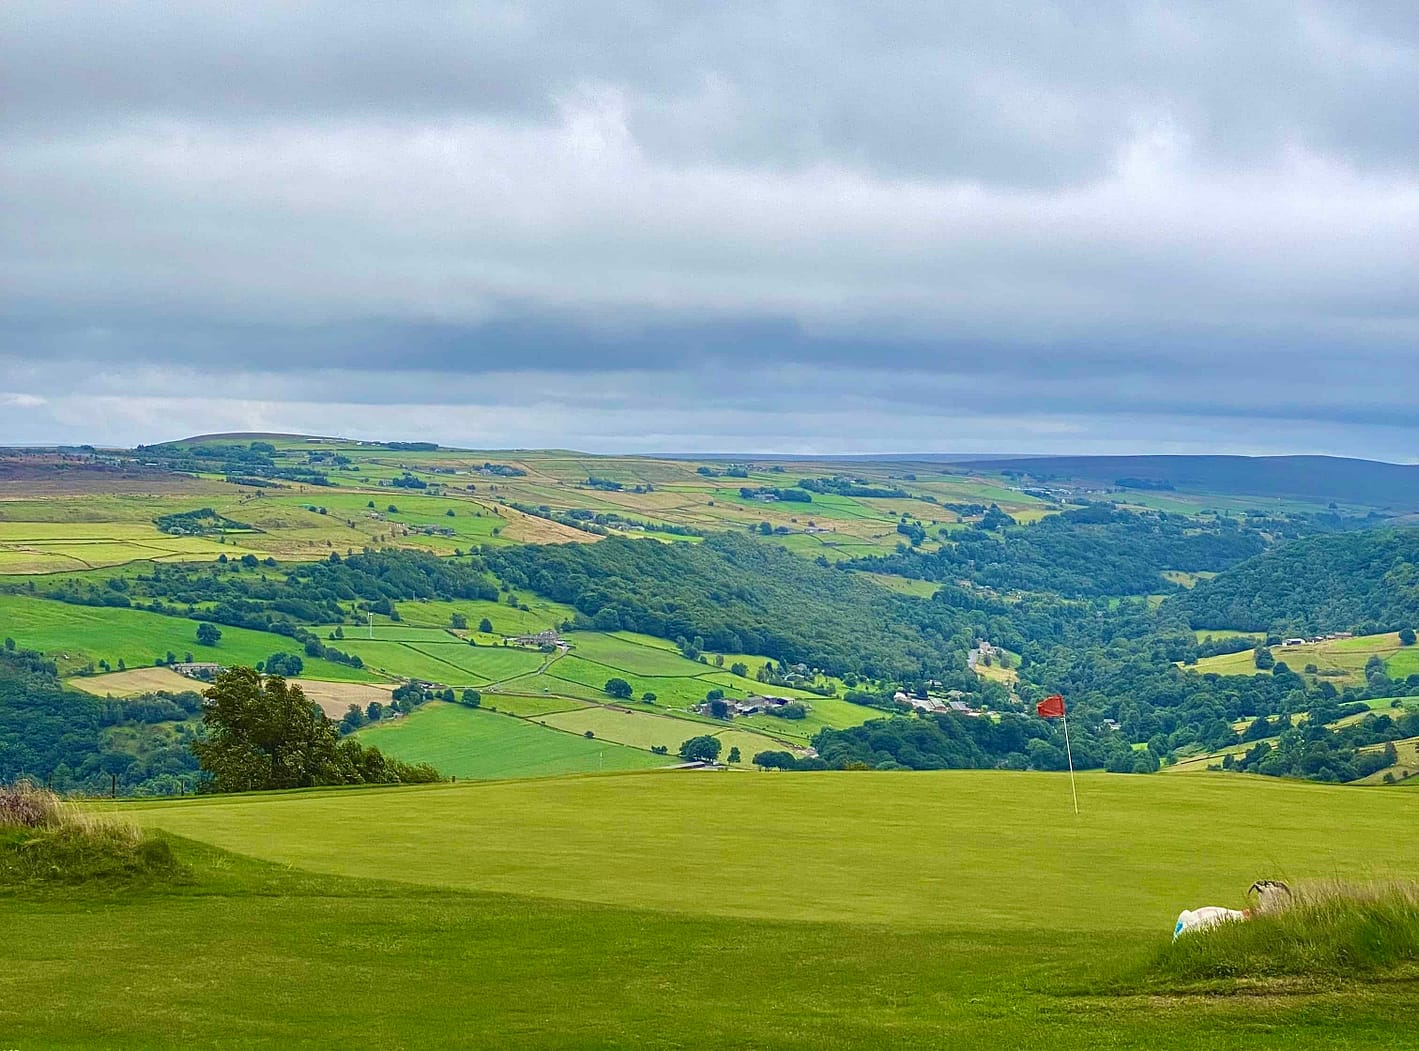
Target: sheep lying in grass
[(1271, 895)]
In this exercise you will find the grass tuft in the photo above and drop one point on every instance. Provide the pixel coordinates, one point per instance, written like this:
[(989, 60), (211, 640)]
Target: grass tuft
[(1334, 930), (46, 840)]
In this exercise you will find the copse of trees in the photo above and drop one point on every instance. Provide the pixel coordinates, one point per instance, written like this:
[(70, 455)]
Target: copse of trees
[(262, 733), (702, 749)]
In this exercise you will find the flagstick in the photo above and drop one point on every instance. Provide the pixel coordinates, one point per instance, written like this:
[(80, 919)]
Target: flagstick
[(1070, 754)]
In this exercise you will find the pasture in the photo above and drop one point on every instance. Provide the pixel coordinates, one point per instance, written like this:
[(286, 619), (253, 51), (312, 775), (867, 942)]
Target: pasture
[(1344, 658), (540, 614), (435, 656), (679, 690), (642, 729), (31, 548), (470, 743), (78, 635)]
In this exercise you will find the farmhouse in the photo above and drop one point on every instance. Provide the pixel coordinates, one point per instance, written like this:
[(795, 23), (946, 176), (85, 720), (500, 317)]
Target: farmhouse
[(550, 637), (766, 702), (197, 669)]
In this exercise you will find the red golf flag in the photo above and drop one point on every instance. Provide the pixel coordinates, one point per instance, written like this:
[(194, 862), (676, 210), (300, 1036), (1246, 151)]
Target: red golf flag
[(1051, 707)]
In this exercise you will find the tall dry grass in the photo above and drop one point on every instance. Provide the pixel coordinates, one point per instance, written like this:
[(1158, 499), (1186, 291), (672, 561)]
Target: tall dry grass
[(1332, 929), (25, 804), (45, 839)]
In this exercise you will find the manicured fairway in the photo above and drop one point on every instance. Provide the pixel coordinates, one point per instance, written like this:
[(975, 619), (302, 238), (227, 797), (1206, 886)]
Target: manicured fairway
[(80, 634), (979, 850), (465, 743), (255, 956)]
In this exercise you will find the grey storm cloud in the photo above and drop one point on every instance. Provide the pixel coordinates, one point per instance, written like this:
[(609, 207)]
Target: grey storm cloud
[(946, 224)]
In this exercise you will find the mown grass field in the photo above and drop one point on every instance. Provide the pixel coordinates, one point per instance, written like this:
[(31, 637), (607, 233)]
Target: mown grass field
[(134, 682), (675, 910), (978, 850), (462, 742)]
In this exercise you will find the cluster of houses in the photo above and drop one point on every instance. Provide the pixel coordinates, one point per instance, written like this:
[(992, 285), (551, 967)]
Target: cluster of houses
[(954, 702), (550, 637), (1330, 637), (748, 706), (203, 670)]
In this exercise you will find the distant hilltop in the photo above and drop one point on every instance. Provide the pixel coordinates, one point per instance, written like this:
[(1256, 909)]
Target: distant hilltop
[(1312, 478)]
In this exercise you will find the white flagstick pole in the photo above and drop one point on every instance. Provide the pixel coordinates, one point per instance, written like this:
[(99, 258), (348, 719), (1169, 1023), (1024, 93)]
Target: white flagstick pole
[(1070, 754)]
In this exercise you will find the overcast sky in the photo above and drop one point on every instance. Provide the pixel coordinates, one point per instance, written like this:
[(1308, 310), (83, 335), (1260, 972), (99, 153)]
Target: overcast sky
[(797, 227)]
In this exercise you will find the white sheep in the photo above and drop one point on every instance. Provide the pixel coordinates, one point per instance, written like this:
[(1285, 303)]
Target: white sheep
[(1271, 896), (1207, 916)]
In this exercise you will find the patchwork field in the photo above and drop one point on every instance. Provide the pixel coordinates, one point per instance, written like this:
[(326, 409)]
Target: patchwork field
[(438, 657), (335, 698)]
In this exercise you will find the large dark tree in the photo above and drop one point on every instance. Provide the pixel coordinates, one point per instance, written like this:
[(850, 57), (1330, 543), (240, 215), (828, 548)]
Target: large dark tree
[(262, 733)]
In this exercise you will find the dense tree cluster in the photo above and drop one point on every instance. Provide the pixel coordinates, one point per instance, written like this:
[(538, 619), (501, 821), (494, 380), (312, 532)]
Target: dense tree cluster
[(77, 742), (959, 742), (200, 522), (858, 487), (1364, 581), (1093, 551), (789, 494), (1314, 752), (259, 461)]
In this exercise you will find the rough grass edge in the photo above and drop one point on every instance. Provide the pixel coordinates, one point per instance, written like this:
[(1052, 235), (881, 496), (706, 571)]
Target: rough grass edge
[(1334, 930), (47, 840)]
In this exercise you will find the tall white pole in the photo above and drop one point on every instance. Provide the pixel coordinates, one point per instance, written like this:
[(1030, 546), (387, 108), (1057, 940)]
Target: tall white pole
[(371, 615), (1070, 754)]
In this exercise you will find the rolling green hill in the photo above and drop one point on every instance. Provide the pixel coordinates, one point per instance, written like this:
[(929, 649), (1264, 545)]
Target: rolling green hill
[(671, 910)]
